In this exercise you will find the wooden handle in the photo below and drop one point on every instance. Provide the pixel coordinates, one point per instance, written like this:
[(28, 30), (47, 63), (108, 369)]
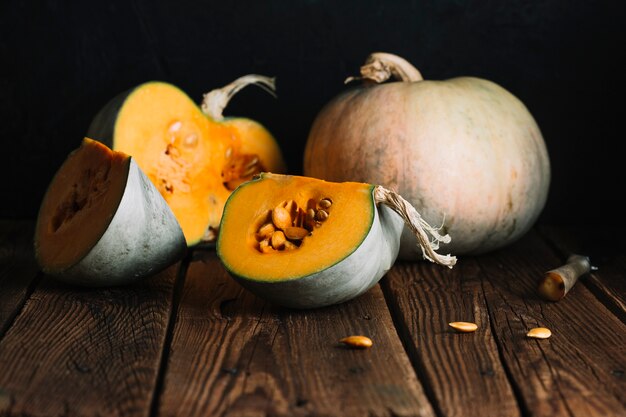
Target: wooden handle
[(557, 282)]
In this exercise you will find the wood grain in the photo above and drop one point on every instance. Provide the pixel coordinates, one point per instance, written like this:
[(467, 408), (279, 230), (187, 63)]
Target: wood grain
[(233, 354), (121, 352), (18, 270), (462, 371), (579, 371), (86, 352)]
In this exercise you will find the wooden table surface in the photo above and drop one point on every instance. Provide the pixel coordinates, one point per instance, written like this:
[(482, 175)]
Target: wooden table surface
[(191, 342)]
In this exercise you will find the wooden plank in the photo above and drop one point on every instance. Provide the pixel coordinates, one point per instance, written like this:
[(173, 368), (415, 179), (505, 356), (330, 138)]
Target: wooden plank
[(463, 372), (17, 269), (579, 371), (609, 285), (86, 352), (606, 252), (232, 354)]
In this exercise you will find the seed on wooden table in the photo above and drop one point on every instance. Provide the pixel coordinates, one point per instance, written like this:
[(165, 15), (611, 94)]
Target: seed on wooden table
[(321, 215), (357, 342), (463, 326), (539, 333), (278, 239), (296, 233), (325, 203), (281, 217)]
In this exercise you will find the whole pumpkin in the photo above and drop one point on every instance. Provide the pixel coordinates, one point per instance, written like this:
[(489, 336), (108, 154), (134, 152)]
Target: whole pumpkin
[(465, 152)]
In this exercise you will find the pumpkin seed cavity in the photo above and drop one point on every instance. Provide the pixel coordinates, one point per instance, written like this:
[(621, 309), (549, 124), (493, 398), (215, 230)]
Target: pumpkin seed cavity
[(172, 168), (286, 226), (84, 192), (240, 168)]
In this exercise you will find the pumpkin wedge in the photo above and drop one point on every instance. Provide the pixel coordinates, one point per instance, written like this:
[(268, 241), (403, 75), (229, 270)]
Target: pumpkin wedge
[(194, 157), (102, 222), (304, 243)]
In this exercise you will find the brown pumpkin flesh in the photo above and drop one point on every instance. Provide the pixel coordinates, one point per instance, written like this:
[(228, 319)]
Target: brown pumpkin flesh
[(185, 154), (79, 204), (246, 211)]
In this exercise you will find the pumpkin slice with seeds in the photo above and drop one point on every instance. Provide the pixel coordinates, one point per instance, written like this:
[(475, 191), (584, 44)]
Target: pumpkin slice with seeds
[(303, 242), (194, 157)]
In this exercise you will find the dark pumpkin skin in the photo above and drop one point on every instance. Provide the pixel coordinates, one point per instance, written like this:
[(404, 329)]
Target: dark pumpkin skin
[(464, 150)]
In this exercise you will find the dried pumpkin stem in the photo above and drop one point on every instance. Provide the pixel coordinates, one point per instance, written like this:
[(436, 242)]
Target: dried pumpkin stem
[(381, 66), (214, 102), (420, 228)]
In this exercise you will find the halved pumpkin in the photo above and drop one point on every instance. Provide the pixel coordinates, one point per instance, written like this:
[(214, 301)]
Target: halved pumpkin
[(102, 222), (303, 242), (194, 159)]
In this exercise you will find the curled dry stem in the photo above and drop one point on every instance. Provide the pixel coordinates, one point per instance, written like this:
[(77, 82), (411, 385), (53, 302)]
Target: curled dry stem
[(214, 102), (381, 66), (420, 228)]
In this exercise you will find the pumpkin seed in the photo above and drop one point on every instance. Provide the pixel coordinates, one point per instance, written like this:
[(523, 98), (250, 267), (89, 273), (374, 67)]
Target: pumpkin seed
[(325, 203), (300, 216), (281, 217), (321, 215), (292, 208), (251, 167), (253, 162), (266, 231), (278, 239), (264, 246), (357, 342), (290, 245), (463, 326), (191, 140), (539, 333), (175, 126), (296, 233)]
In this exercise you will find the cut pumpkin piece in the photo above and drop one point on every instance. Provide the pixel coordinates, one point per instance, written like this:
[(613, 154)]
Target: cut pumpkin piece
[(194, 157), (102, 222), (304, 243)]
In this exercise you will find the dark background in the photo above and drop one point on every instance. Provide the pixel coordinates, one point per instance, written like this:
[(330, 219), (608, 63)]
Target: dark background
[(61, 61)]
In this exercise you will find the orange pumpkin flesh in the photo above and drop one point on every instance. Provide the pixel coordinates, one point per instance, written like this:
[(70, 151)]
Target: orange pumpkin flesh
[(102, 222), (350, 219), (79, 204), (194, 161)]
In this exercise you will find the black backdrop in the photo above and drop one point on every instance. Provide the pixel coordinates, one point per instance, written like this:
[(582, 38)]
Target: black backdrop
[(61, 61)]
